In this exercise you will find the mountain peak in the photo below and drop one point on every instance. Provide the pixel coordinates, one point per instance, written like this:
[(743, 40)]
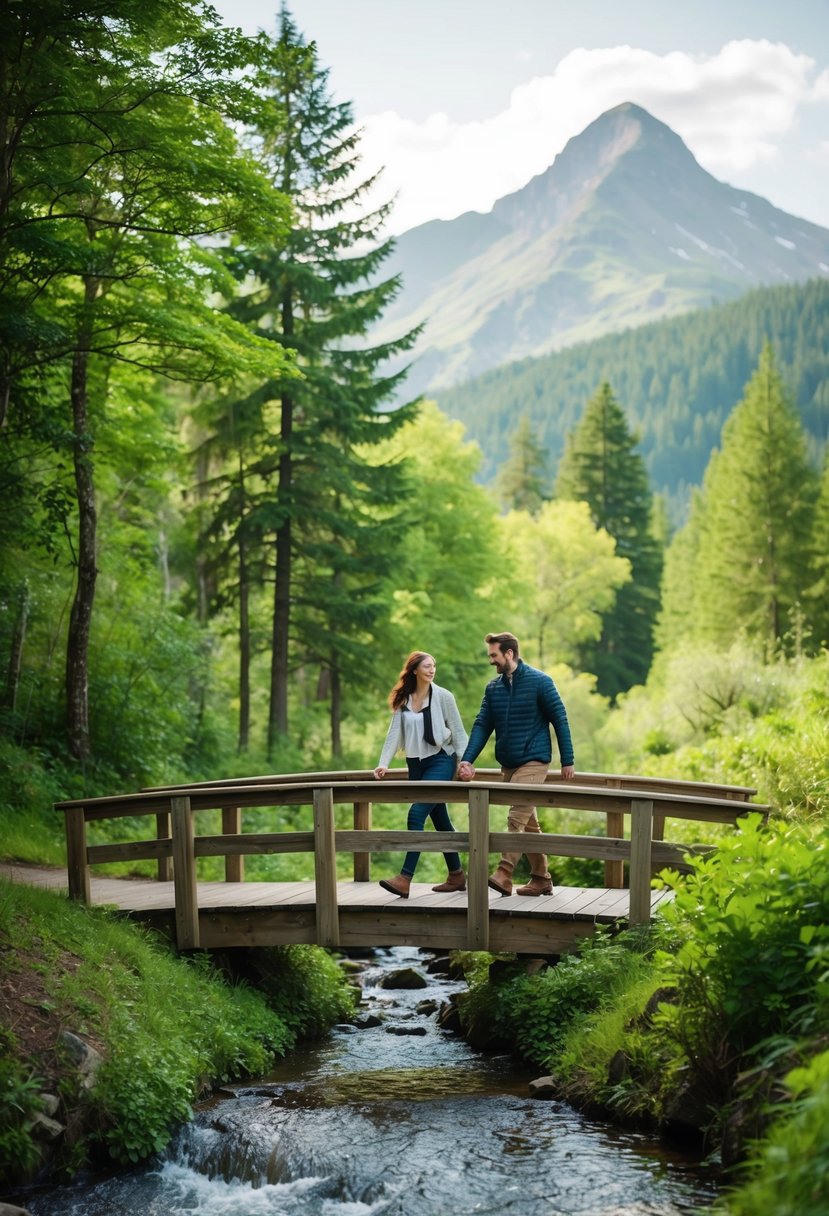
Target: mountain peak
[(625, 227)]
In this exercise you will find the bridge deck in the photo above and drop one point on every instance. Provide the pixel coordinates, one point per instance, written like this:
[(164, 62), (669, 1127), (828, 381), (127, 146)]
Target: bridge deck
[(281, 913)]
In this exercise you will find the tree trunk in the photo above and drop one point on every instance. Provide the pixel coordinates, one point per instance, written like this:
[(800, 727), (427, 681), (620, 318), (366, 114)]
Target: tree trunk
[(278, 713), (278, 716), (336, 714), (80, 620), (18, 641), (244, 647)]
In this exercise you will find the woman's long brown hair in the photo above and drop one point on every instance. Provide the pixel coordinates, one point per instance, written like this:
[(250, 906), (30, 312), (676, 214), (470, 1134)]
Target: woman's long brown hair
[(407, 680)]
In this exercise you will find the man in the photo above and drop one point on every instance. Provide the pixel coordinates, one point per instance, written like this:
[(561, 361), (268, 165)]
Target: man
[(520, 705)]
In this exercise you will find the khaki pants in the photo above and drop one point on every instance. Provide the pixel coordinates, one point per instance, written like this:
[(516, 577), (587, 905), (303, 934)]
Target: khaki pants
[(524, 818)]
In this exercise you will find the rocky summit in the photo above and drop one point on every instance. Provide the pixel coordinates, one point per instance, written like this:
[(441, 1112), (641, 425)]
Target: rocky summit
[(625, 227)]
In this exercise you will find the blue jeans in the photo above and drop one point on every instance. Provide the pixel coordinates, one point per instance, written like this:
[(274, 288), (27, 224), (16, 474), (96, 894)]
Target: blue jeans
[(440, 767)]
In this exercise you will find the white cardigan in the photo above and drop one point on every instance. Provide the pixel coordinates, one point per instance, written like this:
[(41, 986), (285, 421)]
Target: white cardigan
[(447, 728)]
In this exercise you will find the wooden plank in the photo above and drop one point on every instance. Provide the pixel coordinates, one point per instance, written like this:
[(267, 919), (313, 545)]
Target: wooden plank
[(399, 840), (598, 847), (184, 875), (232, 826), (164, 831), (602, 780), (641, 828), (131, 850), (477, 875), (254, 844), (77, 863), (614, 871), (325, 868), (362, 823)]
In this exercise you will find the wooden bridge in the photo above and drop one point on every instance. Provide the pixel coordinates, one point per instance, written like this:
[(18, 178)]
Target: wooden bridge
[(357, 912)]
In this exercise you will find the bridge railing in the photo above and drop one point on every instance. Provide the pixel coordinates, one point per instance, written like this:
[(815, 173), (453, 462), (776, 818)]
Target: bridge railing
[(177, 846)]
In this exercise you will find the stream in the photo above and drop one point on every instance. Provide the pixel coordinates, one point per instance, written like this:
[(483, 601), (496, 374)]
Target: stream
[(399, 1119)]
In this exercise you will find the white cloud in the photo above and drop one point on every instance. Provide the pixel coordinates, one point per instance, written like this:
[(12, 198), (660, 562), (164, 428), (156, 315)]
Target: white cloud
[(731, 108)]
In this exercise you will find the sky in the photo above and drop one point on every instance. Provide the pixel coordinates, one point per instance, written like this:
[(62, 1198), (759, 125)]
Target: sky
[(463, 101)]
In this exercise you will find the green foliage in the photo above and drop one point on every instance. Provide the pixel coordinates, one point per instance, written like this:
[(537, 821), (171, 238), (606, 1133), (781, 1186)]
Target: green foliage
[(786, 1174), (523, 479), (536, 1013), (727, 716), (19, 1102), (566, 576), (753, 521), (679, 379), (601, 467), (751, 924), (304, 988), (169, 1027)]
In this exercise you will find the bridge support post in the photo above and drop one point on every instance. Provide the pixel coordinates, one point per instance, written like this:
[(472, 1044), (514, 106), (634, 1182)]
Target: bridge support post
[(477, 907), (77, 866), (325, 868), (164, 831), (641, 835), (362, 823), (232, 826), (184, 874), (614, 871)]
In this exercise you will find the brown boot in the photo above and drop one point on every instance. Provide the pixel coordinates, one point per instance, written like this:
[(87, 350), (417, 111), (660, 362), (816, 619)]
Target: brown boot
[(501, 881), (399, 885), (539, 884), (455, 881)]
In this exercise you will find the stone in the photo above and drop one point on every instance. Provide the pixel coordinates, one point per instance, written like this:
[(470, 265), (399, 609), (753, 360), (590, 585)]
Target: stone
[(367, 1020), (426, 1008), (51, 1104), (9, 1209), (404, 977), (44, 1128), (543, 1087), (414, 1030), (83, 1056)]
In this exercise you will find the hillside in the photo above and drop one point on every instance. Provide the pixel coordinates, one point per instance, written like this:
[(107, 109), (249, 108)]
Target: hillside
[(624, 228), (677, 381)]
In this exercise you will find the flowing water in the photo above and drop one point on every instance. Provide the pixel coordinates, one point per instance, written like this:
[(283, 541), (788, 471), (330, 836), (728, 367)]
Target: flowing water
[(401, 1119)]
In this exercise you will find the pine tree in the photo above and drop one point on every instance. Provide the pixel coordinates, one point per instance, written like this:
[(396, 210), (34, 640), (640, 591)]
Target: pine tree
[(317, 295), (818, 593), (600, 466), (522, 482), (752, 563)]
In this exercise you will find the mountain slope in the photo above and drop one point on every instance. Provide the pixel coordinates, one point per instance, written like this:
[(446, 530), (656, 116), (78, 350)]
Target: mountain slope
[(623, 228), (677, 381)]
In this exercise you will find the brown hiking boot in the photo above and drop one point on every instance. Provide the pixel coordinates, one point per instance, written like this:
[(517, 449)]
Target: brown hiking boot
[(501, 881), (539, 884), (455, 881), (399, 885)]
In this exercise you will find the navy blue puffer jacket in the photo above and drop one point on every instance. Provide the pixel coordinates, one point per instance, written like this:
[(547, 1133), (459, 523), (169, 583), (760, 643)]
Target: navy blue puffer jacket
[(521, 711)]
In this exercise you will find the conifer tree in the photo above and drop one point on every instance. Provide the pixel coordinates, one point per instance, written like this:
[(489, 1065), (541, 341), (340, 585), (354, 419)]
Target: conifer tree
[(600, 466), (753, 560), (522, 483), (317, 295), (818, 594)]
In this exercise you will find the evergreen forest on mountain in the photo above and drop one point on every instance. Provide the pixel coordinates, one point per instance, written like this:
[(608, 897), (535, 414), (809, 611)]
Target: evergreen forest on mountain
[(677, 379), (220, 536)]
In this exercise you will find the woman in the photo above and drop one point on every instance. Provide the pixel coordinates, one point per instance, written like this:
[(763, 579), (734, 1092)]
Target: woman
[(426, 724)]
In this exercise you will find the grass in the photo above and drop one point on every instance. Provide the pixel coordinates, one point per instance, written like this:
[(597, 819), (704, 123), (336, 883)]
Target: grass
[(168, 1028)]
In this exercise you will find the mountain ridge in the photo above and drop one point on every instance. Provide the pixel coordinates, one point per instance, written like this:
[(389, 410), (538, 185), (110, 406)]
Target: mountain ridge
[(623, 228)]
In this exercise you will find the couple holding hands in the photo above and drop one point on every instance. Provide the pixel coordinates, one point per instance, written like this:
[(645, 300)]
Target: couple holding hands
[(520, 705)]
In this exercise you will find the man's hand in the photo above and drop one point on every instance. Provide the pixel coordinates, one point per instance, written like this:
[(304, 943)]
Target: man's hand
[(380, 771), (465, 771), (568, 771)]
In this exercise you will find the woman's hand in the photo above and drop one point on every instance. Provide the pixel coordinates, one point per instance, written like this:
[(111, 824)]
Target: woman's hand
[(380, 771), (465, 771)]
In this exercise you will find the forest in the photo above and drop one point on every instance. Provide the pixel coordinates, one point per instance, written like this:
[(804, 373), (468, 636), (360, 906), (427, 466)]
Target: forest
[(679, 380), (221, 533)]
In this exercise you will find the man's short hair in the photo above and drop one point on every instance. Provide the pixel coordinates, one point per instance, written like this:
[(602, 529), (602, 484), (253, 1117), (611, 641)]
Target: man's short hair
[(506, 641)]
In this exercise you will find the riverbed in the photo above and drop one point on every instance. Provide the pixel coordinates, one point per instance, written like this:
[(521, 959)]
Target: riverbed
[(397, 1119)]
